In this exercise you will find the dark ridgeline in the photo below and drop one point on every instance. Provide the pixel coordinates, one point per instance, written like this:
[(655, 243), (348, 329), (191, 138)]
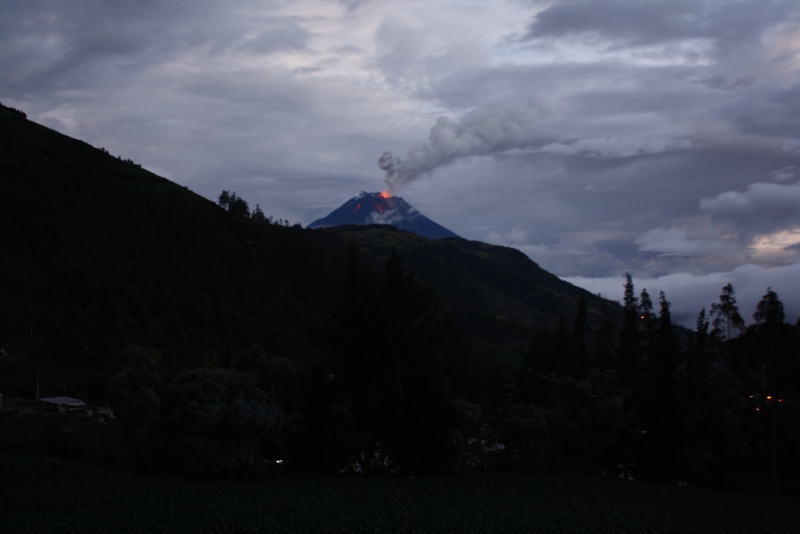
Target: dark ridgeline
[(381, 208), (231, 343)]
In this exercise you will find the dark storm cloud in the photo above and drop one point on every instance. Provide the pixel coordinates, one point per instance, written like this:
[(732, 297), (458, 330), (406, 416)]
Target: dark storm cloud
[(644, 23), (771, 111), (72, 45), (734, 30), (762, 209), (637, 22), (475, 86), (625, 251)]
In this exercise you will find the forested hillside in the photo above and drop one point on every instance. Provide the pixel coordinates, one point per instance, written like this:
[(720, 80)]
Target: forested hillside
[(230, 343), (99, 254)]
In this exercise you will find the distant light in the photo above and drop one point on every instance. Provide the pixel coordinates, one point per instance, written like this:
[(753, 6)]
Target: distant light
[(279, 462)]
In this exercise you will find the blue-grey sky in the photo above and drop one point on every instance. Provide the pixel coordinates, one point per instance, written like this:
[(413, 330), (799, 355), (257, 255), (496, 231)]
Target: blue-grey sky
[(655, 137)]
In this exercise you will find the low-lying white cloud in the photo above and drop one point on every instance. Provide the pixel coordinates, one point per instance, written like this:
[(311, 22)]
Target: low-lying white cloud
[(689, 293)]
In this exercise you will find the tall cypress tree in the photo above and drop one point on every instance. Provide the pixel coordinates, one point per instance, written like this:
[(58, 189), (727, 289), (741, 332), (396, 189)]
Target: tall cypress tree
[(629, 337), (725, 322), (725, 317), (416, 357), (648, 323), (355, 364), (579, 333), (604, 340), (663, 412), (698, 363), (776, 346)]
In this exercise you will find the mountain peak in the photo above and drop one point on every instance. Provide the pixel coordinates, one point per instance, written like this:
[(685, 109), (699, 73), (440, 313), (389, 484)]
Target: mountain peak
[(383, 208)]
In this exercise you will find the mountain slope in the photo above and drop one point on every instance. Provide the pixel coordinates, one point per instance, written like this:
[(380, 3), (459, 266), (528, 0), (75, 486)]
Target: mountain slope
[(381, 208), (495, 293), (98, 254)]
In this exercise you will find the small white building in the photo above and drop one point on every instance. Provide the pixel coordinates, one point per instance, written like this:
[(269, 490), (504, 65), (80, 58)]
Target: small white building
[(62, 404)]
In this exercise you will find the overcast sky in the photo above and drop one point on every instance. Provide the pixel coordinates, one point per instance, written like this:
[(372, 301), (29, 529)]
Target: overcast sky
[(655, 137)]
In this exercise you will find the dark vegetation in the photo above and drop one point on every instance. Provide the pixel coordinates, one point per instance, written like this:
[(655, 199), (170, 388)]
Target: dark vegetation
[(231, 344)]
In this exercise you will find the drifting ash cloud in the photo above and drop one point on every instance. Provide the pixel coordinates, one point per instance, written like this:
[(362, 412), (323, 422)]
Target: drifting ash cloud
[(506, 126), (497, 127)]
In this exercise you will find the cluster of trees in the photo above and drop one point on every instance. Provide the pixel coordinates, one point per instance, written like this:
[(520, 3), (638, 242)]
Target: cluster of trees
[(717, 406), (392, 361), (396, 392), (15, 111), (224, 420), (129, 161), (238, 207), (137, 261), (378, 403)]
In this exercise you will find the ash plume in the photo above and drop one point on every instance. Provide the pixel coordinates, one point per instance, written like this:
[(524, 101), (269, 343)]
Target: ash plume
[(484, 131)]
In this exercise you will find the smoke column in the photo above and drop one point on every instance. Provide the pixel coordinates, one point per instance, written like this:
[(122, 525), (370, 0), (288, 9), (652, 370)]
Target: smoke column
[(484, 131)]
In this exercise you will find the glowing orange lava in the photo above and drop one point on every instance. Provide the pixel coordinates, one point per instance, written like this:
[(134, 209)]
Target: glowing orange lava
[(385, 194)]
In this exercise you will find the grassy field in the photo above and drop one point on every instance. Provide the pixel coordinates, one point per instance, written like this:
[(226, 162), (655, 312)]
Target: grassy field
[(45, 494)]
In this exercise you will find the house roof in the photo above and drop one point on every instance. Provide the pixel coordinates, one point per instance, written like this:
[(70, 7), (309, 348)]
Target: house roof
[(64, 400)]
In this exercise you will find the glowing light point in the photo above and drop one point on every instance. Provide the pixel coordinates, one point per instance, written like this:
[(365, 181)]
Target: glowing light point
[(385, 194)]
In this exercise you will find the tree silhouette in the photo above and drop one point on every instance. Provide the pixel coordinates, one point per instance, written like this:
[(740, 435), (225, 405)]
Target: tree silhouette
[(769, 310), (629, 353), (392, 358), (664, 414), (416, 365), (238, 207), (235, 205), (258, 215), (224, 200), (725, 317), (579, 333)]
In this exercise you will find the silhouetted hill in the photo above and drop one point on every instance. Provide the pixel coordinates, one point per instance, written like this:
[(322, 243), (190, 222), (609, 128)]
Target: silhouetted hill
[(98, 254), (495, 293)]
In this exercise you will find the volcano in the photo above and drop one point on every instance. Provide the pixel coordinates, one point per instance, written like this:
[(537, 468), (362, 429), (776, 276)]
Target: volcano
[(382, 208)]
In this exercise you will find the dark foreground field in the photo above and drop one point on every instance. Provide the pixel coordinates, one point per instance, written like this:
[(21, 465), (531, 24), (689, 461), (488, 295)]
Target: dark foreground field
[(45, 494)]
